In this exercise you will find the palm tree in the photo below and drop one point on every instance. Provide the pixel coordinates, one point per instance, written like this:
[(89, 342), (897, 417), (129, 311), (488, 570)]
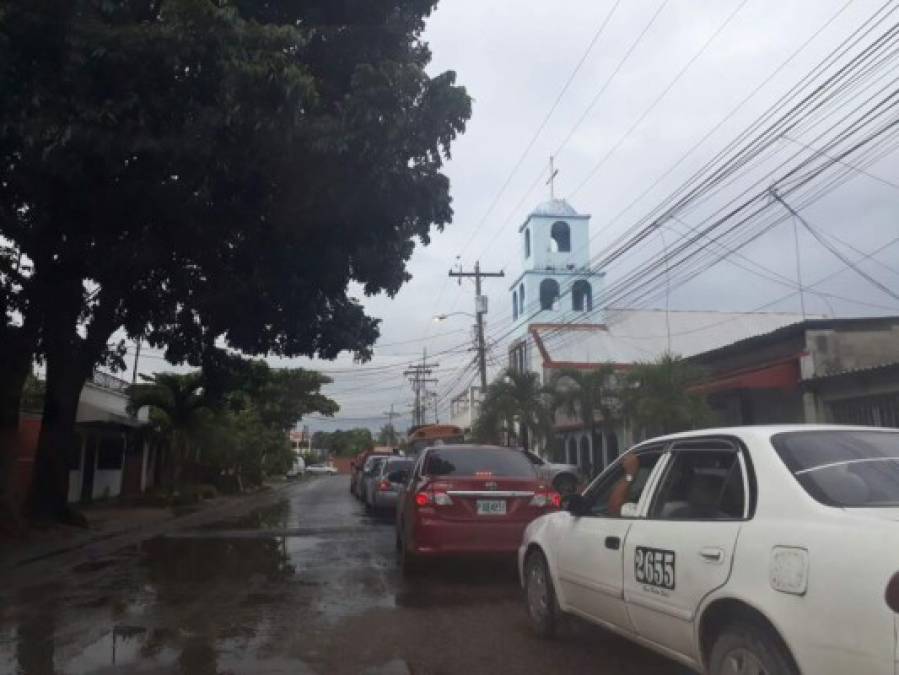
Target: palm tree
[(659, 400), (178, 411), (587, 395), (515, 397)]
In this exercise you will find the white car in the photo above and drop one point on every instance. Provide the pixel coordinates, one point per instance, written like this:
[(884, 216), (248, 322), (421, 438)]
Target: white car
[(321, 470), (297, 469), (748, 550)]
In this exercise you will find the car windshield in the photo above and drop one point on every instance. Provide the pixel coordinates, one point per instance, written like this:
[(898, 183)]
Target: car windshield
[(844, 468), (476, 461)]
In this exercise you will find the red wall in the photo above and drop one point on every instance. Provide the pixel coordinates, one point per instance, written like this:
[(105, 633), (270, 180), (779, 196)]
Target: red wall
[(342, 464), (24, 450)]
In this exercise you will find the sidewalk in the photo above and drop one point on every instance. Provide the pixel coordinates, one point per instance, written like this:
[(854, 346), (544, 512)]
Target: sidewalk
[(108, 522)]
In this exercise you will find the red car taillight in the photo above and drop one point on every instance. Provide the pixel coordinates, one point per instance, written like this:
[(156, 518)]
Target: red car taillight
[(546, 500), (436, 498), (892, 593), (384, 486)]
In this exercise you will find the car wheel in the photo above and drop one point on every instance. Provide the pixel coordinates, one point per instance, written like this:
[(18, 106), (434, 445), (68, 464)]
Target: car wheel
[(566, 485), (750, 649), (543, 606)]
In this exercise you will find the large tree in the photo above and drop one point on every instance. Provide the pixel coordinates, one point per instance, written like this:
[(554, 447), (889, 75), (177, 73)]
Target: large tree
[(200, 172)]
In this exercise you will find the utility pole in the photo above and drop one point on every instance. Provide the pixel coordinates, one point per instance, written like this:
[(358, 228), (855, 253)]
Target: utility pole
[(418, 378), (390, 415), (136, 359), (795, 216), (480, 303)]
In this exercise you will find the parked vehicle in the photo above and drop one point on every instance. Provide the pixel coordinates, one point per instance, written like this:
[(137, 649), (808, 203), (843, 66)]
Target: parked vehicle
[(565, 478), (367, 477), (388, 483), (297, 469), (469, 500), (321, 470), (743, 550), (356, 467)]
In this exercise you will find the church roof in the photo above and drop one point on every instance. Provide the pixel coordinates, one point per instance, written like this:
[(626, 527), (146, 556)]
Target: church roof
[(554, 207), (631, 335)]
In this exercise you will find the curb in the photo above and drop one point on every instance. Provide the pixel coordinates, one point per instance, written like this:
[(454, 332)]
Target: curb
[(229, 505)]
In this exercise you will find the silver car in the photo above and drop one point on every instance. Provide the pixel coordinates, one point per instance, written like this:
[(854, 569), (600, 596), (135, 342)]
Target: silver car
[(387, 483), (565, 478), (369, 477)]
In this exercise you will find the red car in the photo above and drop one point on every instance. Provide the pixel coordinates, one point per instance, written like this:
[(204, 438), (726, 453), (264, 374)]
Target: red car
[(468, 500)]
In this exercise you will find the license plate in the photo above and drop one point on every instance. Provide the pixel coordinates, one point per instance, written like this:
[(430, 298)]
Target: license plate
[(491, 507)]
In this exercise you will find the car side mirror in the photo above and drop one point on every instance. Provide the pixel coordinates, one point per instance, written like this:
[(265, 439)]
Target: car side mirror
[(577, 505), (629, 510)]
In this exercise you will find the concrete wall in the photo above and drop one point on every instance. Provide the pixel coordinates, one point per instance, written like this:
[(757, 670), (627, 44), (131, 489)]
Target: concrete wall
[(852, 346)]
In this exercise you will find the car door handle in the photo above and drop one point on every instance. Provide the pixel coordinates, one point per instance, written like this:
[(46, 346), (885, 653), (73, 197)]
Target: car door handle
[(712, 554), (613, 543)]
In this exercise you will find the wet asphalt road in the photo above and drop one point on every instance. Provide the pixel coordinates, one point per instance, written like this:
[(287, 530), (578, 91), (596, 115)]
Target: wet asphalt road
[(307, 585)]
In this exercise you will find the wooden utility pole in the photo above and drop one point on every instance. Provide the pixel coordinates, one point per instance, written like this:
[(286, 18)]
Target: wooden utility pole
[(418, 378), (390, 415), (480, 303)]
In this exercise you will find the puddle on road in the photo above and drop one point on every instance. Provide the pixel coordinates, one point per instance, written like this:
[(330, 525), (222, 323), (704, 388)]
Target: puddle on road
[(248, 594)]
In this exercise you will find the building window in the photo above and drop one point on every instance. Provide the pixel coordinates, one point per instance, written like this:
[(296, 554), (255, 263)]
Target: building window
[(584, 460), (549, 293), (527, 243), (561, 236), (110, 450), (514, 305), (581, 296), (517, 358), (521, 299)]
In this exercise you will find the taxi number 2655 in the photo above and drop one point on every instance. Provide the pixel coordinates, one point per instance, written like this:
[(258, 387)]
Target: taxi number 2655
[(655, 567)]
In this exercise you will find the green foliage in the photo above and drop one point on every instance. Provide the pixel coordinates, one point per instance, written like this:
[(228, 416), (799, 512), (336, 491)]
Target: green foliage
[(235, 419), (344, 443), (515, 397), (33, 394), (588, 395), (209, 171), (657, 397)]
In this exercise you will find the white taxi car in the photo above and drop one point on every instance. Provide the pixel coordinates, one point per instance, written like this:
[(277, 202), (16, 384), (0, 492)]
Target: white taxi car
[(747, 550)]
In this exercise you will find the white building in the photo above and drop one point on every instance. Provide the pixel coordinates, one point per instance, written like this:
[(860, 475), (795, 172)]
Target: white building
[(112, 458), (563, 323), (464, 408)]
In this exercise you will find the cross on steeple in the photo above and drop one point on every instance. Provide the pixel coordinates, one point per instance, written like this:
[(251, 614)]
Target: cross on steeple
[(551, 181)]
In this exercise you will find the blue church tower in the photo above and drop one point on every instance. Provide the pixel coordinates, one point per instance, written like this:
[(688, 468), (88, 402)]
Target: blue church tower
[(556, 284)]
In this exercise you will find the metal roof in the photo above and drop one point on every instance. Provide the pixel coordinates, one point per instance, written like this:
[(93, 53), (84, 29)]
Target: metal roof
[(861, 370), (635, 335), (797, 327)]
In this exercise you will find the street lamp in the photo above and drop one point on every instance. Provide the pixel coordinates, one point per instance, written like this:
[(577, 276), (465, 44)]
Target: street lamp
[(443, 317)]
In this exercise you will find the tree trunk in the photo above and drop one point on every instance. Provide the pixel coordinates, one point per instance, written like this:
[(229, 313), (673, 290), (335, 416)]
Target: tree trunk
[(524, 436), (57, 440), (15, 364)]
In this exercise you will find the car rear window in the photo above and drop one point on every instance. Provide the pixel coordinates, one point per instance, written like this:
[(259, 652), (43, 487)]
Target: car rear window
[(844, 468), (398, 465), (476, 461)]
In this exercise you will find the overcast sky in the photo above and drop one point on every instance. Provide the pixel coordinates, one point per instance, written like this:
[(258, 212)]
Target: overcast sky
[(514, 56)]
